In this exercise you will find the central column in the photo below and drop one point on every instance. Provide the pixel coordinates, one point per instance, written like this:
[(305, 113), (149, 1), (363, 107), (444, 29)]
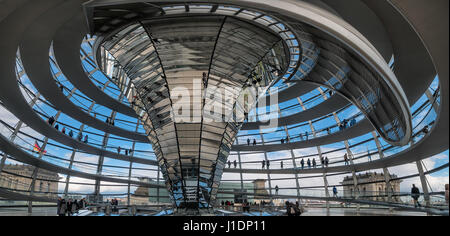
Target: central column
[(193, 81)]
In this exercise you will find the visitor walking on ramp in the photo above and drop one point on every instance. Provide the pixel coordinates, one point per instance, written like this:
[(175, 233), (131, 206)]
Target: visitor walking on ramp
[(415, 194), (335, 192)]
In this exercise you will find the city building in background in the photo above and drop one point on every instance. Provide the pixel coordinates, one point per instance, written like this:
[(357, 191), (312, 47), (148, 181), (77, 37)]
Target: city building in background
[(372, 186), (228, 191), (16, 177)]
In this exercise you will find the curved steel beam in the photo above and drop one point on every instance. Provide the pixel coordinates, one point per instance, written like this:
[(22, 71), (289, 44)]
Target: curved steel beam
[(35, 46), (66, 46)]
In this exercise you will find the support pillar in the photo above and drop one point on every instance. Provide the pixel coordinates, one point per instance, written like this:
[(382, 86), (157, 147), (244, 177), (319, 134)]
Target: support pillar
[(327, 193), (387, 175), (268, 171), (423, 181), (431, 99), (131, 165), (66, 188), (240, 167), (158, 181)]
